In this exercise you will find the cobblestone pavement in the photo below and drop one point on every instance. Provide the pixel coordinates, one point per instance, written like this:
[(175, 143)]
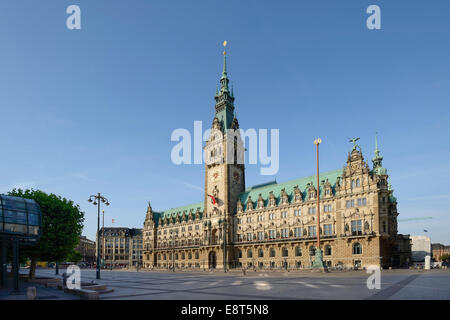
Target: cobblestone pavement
[(157, 285)]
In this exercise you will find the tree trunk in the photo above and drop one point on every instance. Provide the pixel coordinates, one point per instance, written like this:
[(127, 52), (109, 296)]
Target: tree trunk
[(33, 263)]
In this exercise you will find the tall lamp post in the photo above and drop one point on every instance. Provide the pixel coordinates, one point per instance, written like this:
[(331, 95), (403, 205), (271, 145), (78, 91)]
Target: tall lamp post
[(318, 262), (96, 199)]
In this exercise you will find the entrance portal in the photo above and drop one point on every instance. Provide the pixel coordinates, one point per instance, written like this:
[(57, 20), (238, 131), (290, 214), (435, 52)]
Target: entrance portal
[(212, 260)]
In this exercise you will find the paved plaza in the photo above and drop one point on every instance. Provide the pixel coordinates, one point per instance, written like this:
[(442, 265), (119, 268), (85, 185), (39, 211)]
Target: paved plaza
[(156, 285)]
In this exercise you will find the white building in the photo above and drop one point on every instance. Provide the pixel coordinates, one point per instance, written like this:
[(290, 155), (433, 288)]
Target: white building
[(420, 248)]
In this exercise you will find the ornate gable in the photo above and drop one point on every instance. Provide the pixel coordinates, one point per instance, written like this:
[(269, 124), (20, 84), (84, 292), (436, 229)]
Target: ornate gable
[(272, 200), (260, 204), (284, 197), (312, 192), (298, 197), (249, 204), (239, 205), (327, 190)]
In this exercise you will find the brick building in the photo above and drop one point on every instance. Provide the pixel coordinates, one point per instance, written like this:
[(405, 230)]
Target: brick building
[(438, 250)]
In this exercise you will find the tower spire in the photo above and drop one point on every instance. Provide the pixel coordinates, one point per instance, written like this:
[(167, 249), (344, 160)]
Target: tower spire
[(377, 151), (224, 98), (224, 80), (377, 159), (224, 72)]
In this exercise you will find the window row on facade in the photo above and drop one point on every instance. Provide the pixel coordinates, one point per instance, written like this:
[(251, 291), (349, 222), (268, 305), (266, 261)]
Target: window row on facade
[(297, 232)]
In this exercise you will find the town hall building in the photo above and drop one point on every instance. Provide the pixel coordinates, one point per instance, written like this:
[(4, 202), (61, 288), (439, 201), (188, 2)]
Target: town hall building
[(273, 225)]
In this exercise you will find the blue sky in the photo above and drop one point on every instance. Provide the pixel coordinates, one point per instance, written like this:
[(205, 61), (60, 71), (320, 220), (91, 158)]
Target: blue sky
[(92, 110)]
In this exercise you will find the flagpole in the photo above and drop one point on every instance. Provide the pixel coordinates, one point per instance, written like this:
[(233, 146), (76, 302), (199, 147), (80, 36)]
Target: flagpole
[(103, 238), (110, 266)]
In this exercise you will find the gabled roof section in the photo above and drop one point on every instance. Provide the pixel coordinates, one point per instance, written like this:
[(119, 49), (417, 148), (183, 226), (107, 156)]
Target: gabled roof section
[(179, 211), (289, 187)]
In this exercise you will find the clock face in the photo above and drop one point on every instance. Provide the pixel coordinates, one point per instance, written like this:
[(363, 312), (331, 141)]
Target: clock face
[(236, 177), (215, 175)]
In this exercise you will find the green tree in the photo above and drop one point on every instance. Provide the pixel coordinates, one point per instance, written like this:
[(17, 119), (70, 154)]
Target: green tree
[(74, 256), (62, 225)]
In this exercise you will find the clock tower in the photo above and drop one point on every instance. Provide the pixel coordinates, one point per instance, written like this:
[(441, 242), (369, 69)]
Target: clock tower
[(224, 157)]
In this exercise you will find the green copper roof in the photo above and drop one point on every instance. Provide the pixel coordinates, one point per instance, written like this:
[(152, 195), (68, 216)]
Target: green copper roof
[(225, 118), (392, 198), (181, 210), (289, 187), (380, 171), (224, 100)]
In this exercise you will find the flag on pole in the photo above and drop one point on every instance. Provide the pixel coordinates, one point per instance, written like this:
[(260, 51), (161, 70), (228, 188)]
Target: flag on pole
[(112, 220), (213, 200), (425, 230)]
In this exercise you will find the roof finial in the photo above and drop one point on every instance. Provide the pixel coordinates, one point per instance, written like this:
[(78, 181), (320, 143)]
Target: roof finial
[(353, 140), (377, 151)]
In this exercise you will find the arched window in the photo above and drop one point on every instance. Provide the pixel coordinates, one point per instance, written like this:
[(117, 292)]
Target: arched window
[(249, 253), (239, 253), (189, 255), (328, 250), (298, 251), (284, 252), (176, 256), (260, 253), (196, 255), (353, 183), (272, 252), (357, 248), (183, 256), (384, 226), (312, 251), (358, 182)]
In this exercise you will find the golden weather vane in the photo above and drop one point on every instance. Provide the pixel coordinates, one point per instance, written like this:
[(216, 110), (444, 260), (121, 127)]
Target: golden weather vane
[(224, 45)]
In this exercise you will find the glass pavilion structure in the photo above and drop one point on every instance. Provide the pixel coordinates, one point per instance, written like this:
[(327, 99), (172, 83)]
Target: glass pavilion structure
[(20, 223)]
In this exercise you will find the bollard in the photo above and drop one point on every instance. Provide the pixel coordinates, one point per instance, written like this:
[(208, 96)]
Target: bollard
[(64, 279), (31, 293), (428, 262)]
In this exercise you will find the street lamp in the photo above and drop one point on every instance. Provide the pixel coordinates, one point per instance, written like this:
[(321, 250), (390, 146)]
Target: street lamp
[(95, 200), (318, 262)]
